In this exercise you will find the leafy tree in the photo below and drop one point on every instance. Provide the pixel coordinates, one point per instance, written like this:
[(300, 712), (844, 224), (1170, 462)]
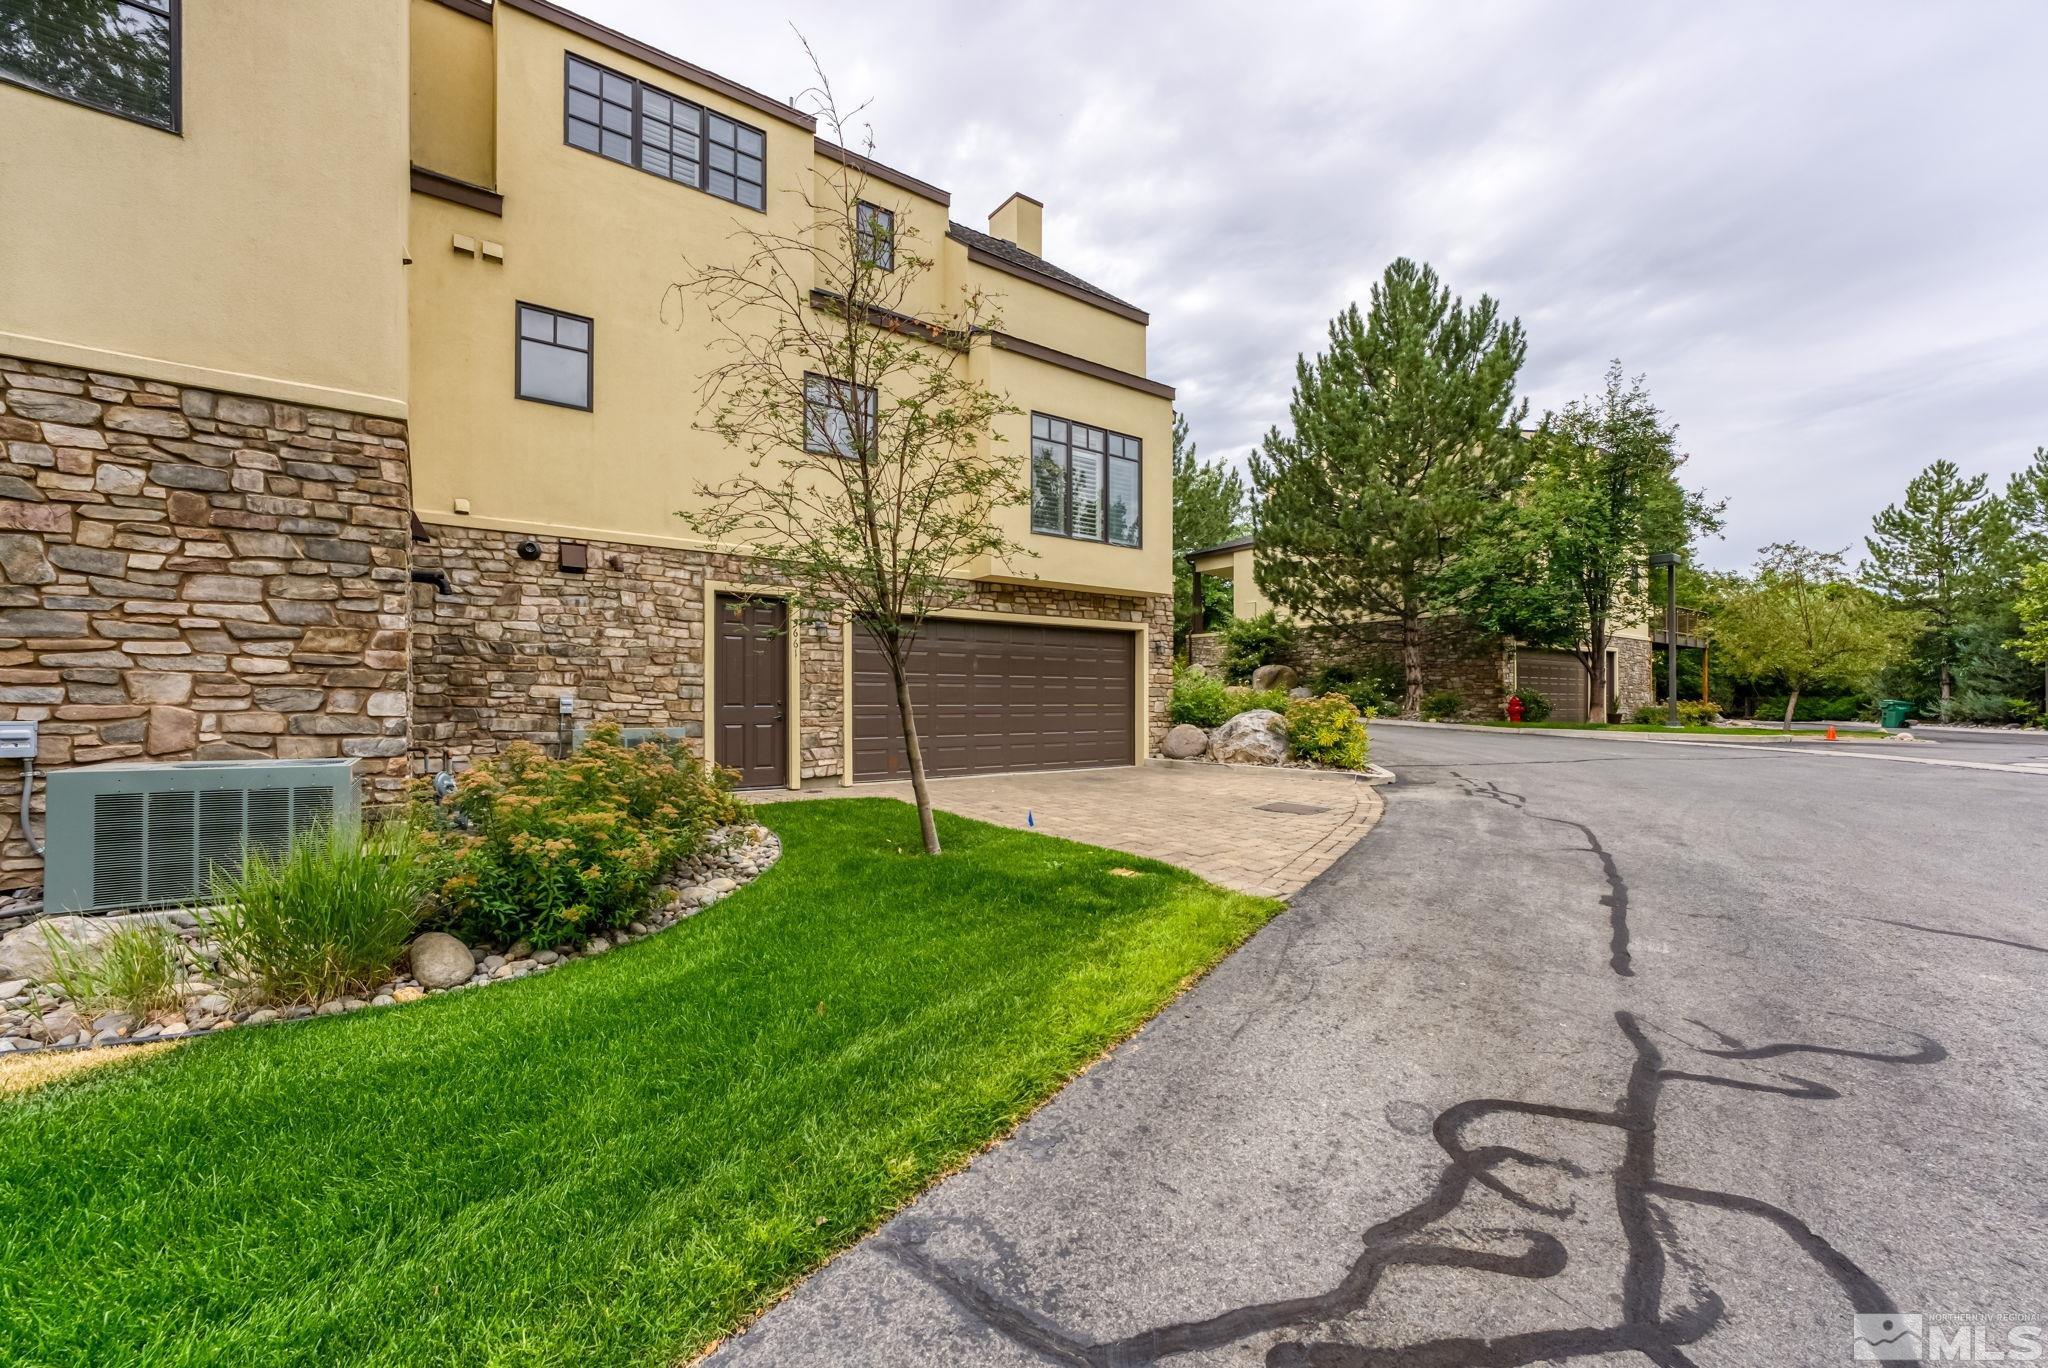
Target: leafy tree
[(1560, 565), (2031, 608), (1209, 508), (1931, 555), (1403, 438), (1802, 619), (875, 473)]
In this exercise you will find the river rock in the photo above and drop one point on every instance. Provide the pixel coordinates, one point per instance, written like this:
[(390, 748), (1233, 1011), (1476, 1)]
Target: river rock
[(441, 961)]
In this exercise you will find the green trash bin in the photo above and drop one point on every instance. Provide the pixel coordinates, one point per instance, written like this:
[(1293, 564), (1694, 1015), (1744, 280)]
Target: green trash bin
[(1892, 712)]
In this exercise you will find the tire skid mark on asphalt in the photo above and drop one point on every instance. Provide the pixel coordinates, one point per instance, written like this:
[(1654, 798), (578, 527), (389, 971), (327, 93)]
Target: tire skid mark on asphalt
[(1616, 898), (1642, 1201)]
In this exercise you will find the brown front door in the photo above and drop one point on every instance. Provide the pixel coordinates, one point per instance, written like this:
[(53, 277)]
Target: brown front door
[(993, 697), (751, 653)]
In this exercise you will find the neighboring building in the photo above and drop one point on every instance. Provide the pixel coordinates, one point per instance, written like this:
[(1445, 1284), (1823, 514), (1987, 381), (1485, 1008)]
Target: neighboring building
[(1484, 667), (301, 303)]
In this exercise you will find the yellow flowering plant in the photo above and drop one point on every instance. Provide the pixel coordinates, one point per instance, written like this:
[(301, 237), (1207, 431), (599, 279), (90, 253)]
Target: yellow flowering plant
[(531, 847)]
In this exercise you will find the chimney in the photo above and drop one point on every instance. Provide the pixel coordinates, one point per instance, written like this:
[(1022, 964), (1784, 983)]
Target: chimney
[(1020, 219)]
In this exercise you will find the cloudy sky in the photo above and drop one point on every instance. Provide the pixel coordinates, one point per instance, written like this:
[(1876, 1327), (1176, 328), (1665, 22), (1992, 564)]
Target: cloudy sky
[(1821, 229)]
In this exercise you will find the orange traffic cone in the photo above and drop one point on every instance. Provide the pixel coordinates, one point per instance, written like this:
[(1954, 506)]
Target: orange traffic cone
[(1831, 731)]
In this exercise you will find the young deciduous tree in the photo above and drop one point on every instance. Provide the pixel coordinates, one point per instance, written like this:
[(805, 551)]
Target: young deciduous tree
[(1403, 438), (1930, 556), (1208, 509), (1561, 564), (1802, 619), (875, 472), (2031, 607)]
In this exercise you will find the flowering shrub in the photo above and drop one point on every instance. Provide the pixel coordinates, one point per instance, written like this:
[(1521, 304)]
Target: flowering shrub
[(548, 851), (1327, 731)]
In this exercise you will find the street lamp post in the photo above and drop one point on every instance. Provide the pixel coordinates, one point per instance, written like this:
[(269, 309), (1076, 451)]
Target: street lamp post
[(1669, 560)]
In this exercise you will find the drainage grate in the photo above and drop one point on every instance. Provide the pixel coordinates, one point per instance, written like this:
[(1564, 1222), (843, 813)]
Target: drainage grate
[(1293, 809)]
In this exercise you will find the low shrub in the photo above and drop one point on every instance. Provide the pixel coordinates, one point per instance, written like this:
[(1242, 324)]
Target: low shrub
[(1251, 642), (1441, 704), (1535, 707), (1691, 713), (1327, 731), (1994, 709), (139, 969), (550, 851), (1199, 698), (1818, 708), (329, 915)]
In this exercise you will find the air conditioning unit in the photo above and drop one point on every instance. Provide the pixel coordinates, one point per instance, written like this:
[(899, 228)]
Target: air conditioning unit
[(137, 835)]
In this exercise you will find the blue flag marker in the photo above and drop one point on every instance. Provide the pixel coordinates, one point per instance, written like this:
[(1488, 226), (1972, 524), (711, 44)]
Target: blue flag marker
[(1028, 819)]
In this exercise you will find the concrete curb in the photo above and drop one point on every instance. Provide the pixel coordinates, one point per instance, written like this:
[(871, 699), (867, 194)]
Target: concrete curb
[(1718, 739), (1371, 774)]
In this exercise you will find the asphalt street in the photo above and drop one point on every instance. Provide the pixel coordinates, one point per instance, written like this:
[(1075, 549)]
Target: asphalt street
[(1594, 1052)]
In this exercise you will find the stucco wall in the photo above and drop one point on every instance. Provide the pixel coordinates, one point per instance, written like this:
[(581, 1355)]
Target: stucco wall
[(260, 250), (197, 575)]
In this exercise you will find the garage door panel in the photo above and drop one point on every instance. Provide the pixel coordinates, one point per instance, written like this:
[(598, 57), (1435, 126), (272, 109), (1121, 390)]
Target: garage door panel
[(992, 697), (1560, 678)]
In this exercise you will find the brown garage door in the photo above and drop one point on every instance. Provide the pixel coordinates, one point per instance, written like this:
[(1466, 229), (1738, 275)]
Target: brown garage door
[(992, 697), (1559, 677)]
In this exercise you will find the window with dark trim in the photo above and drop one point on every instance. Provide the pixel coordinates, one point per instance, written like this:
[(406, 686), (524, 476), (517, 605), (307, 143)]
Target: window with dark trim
[(875, 227), (830, 409), (664, 135), (116, 56), (553, 365), (1085, 482)]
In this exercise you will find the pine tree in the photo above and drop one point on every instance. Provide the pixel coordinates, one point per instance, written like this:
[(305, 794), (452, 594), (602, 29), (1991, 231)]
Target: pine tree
[(2026, 507), (1208, 509), (1403, 438), (1930, 553)]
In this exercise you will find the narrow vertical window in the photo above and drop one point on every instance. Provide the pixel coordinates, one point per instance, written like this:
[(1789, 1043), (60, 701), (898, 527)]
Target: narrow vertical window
[(116, 56), (832, 408), (553, 365), (875, 227)]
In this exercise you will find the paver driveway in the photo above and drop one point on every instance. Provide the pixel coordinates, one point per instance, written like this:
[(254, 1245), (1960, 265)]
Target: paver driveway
[(1257, 830), (1596, 1053)]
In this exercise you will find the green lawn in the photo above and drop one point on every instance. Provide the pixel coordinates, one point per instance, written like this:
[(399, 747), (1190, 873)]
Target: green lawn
[(616, 1162), (1752, 733)]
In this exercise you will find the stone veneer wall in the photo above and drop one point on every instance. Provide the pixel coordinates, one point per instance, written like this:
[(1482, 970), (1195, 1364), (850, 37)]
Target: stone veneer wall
[(1476, 664), (194, 575), (492, 659), (1635, 684)]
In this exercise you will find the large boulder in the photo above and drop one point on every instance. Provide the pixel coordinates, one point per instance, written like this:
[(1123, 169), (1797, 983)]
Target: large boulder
[(1275, 677), (1258, 737), (1184, 742), (25, 951), (439, 960)]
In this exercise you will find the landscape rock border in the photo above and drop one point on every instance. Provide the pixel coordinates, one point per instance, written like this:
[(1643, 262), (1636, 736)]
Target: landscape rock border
[(37, 1017)]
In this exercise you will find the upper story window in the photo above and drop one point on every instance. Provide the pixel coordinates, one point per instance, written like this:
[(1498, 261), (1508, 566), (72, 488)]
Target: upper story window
[(630, 121), (831, 408), (119, 56), (553, 365), (876, 229), (1084, 482)]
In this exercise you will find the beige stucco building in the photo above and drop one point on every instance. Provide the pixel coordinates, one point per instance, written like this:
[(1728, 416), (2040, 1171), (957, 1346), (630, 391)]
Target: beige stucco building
[(348, 410)]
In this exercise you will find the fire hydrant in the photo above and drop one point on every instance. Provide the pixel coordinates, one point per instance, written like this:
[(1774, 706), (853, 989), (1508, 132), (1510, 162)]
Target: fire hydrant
[(1515, 708)]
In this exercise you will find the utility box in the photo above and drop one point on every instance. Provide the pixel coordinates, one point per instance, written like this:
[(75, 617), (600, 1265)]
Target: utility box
[(140, 835), (17, 740)]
